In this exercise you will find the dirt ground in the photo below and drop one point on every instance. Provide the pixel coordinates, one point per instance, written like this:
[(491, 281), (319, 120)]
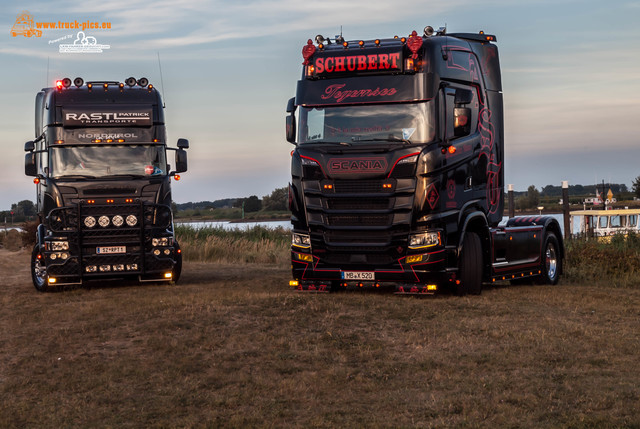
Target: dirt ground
[(233, 346)]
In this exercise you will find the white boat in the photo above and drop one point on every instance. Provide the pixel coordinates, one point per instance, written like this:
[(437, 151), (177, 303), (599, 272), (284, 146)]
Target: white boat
[(604, 223)]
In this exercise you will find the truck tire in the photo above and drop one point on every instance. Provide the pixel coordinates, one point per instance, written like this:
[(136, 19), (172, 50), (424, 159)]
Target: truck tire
[(38, 271), (177, 268), (551, 263), (470, 266)]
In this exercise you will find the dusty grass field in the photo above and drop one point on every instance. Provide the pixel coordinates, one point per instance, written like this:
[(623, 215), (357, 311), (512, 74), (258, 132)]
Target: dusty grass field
[(233, 347)]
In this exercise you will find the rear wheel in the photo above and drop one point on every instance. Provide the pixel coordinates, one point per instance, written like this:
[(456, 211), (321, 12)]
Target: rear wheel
[(38, 270), (177, 268), (470, 266), (551, 260)]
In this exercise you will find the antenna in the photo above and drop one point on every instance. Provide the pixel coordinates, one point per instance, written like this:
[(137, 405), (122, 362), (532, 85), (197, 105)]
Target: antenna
[(46, 84), (164, 101)]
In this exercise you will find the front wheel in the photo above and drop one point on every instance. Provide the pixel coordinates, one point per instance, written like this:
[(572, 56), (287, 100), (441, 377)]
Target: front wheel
[(551, 260), (38, 270), (470, 266), (177, 268)]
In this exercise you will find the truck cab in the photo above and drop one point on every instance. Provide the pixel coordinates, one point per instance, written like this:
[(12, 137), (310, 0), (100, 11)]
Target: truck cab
[(103, 182), (398, 168)]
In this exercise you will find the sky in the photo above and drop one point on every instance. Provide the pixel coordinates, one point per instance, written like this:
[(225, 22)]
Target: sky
[(570, 70)]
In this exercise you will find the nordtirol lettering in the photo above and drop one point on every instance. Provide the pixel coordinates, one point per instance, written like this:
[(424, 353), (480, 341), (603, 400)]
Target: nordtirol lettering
[(353, 63)]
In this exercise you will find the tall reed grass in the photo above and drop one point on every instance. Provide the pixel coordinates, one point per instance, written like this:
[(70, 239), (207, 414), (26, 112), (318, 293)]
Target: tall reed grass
[(257, 245), (596, 262)]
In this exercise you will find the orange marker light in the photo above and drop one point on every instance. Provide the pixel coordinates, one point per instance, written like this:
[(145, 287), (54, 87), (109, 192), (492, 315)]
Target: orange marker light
[(59, 84), (36, 180), (452, 150), (176, 177)]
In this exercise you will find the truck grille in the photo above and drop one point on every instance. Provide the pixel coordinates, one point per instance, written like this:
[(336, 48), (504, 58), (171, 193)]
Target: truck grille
[(359, 222), (91, 229)]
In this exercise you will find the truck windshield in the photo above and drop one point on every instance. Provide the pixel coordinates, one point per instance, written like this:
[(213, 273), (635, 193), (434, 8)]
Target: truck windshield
[(108, 160), (412, 123)]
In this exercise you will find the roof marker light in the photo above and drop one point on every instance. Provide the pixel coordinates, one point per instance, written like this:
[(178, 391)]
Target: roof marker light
[(345, 44), (377, 42), (59, 84), (403, 39), (89, 85), (105, 85), (121, 85), (361, 43)]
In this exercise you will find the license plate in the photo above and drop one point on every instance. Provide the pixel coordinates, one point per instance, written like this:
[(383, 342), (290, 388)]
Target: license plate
[(358, 275), (112, 249)]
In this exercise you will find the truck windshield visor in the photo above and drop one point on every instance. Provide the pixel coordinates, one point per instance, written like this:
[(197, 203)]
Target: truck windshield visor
[(108, 160), (412, 123)]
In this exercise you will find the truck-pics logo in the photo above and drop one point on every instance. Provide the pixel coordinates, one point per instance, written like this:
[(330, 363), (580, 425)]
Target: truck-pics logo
[(137, 117), (24, 26), (357, 165)]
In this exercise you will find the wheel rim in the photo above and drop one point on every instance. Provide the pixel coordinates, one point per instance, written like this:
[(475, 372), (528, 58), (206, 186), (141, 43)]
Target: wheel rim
[(551, 261), (39, 272)]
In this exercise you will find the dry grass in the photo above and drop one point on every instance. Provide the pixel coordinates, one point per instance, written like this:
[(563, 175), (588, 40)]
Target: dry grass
[(232, 346)]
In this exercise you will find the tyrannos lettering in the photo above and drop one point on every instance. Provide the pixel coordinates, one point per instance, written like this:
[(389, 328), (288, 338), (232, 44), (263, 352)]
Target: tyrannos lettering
[(334, 91), (354, 63)]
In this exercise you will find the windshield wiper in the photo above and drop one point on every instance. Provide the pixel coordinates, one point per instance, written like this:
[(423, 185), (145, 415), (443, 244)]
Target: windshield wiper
[(75, 176), (129, 175), (328, 142), (391, 138)]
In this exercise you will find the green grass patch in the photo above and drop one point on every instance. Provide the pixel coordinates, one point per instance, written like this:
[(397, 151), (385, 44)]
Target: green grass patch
[(615, 263), (256, 245)]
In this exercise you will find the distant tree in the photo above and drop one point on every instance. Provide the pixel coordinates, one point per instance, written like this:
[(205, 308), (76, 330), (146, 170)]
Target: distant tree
[(533, 197), (252, 204), (278, 200), (635, 187)]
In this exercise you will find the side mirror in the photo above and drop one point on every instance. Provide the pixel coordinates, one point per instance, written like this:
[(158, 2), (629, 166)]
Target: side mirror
[(291, 105), (30, 164), (181, 161), (291, 121), (183, 143), (29, 146), (291, 128)]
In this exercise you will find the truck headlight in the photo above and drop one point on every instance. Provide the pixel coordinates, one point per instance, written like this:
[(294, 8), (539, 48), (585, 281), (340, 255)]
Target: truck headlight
[(163, 241), (300, 240), (424, 239), (57, 246), (117, 220), (132, 220)]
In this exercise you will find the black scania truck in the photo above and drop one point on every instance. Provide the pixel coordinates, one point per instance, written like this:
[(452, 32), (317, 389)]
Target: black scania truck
[(398, 169), (103, 184)]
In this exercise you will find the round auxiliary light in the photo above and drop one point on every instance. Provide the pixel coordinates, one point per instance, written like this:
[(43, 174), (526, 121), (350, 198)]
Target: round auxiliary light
[(89, 221), (66, 82), (78, 82), (156, 252), (130, 81), (132, 220), (428, 31), (143, 81), (117, 220), (103, 221)]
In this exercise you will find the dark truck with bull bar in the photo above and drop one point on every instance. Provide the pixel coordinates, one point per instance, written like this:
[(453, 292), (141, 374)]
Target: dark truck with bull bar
[(398, 169), (103, 184)]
